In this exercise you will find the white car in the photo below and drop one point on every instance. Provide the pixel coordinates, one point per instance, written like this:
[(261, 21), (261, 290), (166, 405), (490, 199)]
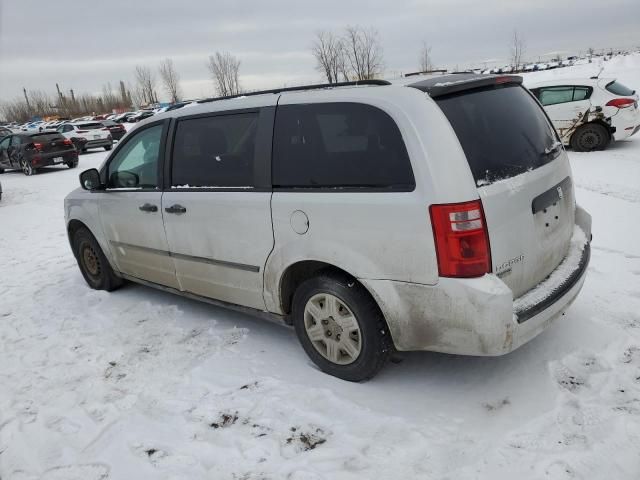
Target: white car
[(438, 215), (86, 135), (589, 112)]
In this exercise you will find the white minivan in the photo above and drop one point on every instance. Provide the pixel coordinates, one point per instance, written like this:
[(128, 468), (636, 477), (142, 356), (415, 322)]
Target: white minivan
[(436, 215)]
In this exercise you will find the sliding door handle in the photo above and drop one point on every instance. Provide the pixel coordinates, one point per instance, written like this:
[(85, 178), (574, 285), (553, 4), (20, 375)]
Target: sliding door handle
[(177, 209)]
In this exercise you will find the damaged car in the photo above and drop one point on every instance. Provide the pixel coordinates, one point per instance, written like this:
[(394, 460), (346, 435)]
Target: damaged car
[(589, 113)]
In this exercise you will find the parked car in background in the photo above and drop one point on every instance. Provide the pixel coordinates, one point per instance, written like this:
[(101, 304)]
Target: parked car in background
[(86, 135), (434, 215), (30, 151), (117, 129), (0, 191), (141, 115), (4, 131), (122, 117), (589, 112)]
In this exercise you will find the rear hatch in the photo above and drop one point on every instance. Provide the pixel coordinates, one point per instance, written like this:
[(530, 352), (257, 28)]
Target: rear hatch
[(93, 131), (522, 175), (51, 143)]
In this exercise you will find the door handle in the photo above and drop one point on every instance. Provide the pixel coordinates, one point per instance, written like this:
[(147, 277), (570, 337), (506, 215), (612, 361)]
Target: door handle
[(147, 207), (177, 209)]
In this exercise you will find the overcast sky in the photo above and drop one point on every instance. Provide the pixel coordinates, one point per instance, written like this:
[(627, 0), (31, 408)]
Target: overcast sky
[(82, 44)]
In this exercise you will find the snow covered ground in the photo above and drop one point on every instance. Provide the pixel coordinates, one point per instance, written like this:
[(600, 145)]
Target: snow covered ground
[(139, 384)]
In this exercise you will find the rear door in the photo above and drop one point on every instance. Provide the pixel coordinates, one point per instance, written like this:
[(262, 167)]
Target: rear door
[(217, 205), (523, 178), (130, 207), (566, 105)]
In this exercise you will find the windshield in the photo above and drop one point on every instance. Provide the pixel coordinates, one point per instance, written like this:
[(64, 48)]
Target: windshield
[(503, 131), (90, 126), (47, 137)]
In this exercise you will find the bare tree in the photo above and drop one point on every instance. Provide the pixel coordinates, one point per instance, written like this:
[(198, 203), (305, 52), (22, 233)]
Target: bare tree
[(170, 79), (426, 64), (224, 69), (517, 50), (329, 53), (146, 84), (363, 53), (591, 51)]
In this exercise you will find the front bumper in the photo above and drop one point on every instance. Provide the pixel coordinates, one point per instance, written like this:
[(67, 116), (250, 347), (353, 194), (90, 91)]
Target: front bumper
[(479, 316)]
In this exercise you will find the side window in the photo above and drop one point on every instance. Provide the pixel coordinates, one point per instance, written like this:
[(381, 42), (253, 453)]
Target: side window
[(555, 95), (5, 143), (215, 151), (581, 93), (15, 141), (338, 145), (135, 165)]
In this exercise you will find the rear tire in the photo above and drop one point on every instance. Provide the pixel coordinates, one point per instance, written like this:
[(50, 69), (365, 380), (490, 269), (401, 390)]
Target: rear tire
[(93, 264), (590, 137), (72, 164), (27, 168), (341, 327)]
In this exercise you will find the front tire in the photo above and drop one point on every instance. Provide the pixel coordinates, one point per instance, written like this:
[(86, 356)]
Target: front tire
[(590, 137), (26, 167), (93, 264), (340, 327)]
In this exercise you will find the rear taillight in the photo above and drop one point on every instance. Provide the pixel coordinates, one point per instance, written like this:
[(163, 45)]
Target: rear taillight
[(66, 141), (621, 102), (462, 240), (82, 131), (37, 146)]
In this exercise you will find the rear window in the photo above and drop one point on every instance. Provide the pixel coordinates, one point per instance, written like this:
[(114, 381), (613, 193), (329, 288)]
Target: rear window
[(90, 126), (47, 137), (335, 145), (617, 88), (503, 131)]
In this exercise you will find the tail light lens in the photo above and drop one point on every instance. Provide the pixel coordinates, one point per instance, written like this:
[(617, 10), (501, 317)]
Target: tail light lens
[(67, 142), (621, 102), (37, 146), (462, 240)]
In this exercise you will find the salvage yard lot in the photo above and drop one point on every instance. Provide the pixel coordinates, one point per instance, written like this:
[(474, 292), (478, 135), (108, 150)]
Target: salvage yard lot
[(143, 384)]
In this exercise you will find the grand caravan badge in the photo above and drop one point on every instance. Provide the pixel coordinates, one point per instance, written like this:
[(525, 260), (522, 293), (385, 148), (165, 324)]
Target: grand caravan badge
[(506, 267)]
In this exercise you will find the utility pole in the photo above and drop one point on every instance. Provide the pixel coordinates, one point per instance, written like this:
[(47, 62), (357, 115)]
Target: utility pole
[(26, 97)]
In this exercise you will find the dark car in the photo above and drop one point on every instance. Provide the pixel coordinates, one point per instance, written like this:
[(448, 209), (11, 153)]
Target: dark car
[(138, 117), (5, 132), (30, 151), (116, 129)]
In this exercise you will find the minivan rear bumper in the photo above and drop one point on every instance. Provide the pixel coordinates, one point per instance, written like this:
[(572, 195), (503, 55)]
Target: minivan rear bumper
[(479, 316)]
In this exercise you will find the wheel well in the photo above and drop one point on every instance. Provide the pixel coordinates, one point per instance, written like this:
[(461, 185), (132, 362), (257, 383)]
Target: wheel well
[(72, 228), (602, 123), (297, 273)]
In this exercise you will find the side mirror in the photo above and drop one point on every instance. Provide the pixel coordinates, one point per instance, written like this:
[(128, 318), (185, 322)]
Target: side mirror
[(124, 179), (90, 179)]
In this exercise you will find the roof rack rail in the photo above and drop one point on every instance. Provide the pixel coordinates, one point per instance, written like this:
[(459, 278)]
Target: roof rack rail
[(299, 88)]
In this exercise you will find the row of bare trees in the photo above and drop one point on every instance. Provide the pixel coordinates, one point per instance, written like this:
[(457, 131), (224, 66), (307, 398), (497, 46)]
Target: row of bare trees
[(353, 54)]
